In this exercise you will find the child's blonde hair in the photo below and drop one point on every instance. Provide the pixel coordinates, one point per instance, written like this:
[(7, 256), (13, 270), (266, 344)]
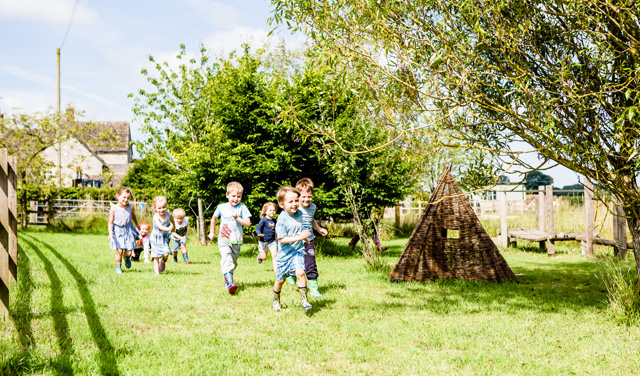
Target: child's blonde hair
[(158, 199), (283, 191), (123, 189), (234, 186), (305, 185), (266, 207), (179, 213)]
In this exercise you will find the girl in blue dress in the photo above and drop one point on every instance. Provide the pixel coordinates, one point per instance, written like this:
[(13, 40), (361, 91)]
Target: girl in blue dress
[(122, 233), (161, 234)]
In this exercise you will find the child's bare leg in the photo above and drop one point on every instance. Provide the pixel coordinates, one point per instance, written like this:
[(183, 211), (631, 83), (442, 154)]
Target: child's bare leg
[(185, 256), (156, 265), (274, 260), (302, 279)]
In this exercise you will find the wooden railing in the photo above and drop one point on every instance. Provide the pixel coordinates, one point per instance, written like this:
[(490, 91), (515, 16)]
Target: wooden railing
[(8, 229)]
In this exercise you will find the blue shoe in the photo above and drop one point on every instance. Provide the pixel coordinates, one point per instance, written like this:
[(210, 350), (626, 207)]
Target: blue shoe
[(118, 269), (127, 262), (175, 259)]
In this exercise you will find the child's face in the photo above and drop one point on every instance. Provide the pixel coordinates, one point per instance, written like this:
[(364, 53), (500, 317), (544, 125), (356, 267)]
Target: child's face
[(144, 230), (234, 197), (161, 207), (290, 203), (306, 197), (123, 198), (178, 220), (271, 211)]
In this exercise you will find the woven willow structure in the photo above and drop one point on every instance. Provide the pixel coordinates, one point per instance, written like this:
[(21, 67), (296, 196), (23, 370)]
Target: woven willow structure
[(449, 242)]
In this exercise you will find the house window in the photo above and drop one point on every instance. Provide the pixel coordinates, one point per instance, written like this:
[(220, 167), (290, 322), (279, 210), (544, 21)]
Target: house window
[(490, 195)]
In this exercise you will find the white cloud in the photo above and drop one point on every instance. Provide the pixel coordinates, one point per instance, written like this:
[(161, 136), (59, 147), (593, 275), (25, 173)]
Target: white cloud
[(50, 11), (219, 14)]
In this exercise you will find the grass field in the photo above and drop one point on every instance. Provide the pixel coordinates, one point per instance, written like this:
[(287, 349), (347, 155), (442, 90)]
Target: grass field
[(71, 314)]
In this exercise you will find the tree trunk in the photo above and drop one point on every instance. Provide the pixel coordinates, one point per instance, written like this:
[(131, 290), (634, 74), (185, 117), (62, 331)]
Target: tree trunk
[(23, 208), (201, 233), (634, 227)]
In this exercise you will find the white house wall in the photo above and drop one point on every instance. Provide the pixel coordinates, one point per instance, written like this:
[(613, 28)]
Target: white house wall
[(73, 154)]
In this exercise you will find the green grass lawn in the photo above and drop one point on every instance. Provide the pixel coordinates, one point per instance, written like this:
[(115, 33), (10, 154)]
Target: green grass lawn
[(71, 314)]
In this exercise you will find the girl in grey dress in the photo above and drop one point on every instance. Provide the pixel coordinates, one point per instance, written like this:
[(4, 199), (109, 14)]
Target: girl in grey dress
[(122, 233), (161, 234)]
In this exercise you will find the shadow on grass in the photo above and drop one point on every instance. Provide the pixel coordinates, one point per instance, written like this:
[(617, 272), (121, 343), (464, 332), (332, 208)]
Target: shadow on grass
[(62, 363), (23, 362), (549, 289), (107, 357)]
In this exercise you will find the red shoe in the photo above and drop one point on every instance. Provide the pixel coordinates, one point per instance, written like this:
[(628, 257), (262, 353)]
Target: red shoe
[(232, 288), (188, 262)]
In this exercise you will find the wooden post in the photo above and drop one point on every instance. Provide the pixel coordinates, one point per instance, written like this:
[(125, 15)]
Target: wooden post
[(33, 215), (541, 211), (397, 213), (504, 237), (622, 232), (8, 229), (589, 212), (549, 220)]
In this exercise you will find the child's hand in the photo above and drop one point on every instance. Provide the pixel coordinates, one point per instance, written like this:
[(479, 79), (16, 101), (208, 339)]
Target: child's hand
[(211, 236), (110, 236), (305, 234), (234, 214), (323, 231), (261, 235)]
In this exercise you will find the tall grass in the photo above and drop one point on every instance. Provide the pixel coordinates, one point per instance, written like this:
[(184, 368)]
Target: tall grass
[(623, 291)]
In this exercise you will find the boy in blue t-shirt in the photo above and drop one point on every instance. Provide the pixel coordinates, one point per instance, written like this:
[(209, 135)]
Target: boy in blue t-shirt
[(291, 238), (233, 215), (308, 209)]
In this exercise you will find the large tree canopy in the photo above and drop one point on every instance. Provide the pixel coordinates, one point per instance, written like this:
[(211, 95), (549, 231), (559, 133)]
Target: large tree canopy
[(561, 76)]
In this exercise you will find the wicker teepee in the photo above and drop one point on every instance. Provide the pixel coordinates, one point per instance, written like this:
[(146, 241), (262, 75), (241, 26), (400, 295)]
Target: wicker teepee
[(450, 243)]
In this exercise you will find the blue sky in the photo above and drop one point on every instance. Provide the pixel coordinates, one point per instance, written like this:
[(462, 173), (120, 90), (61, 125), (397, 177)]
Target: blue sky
[(108, 44)]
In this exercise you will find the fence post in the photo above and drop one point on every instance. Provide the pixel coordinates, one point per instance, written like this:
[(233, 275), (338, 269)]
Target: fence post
[(504, 237), (541, 212), (589, 212), (8, 229), (551, 232), (397, 213)]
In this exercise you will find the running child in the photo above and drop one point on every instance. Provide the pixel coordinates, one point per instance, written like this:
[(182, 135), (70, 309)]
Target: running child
[(233, 215), (266, 231), (162, 227), (179, 236), (308, 209), (122, 233), (143, 242), (291, 238)]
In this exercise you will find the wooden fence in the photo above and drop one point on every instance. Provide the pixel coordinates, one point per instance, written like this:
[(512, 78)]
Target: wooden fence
[(8, 229), (41, 212)]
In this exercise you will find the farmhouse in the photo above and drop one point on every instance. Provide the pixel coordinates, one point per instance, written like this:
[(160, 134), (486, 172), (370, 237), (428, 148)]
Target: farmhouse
[(101, 158)]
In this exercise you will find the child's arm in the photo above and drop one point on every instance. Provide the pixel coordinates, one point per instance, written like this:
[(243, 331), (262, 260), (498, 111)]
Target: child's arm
[(212, 232), (302, 235), (246, 222), (259, 228), (133, 216), (318, 228), (156, 221), (110, 227)]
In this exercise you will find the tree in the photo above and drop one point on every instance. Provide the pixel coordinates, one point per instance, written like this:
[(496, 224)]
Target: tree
[(27, 135), (561, 76), (534, 179), (176, 112), (325, 109)]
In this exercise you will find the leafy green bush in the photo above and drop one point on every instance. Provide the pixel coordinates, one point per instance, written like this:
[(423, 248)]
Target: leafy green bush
[(93, 224), (623, 292)]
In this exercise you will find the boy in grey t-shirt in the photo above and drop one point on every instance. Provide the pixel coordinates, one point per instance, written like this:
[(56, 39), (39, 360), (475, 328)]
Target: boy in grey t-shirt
[(233, 215)]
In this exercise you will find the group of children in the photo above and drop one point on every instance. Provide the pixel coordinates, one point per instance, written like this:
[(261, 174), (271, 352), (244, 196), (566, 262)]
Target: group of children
[(289, 240), (129, 241)]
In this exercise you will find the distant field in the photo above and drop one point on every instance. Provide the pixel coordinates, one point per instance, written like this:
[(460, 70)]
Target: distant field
[(71, 314)]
